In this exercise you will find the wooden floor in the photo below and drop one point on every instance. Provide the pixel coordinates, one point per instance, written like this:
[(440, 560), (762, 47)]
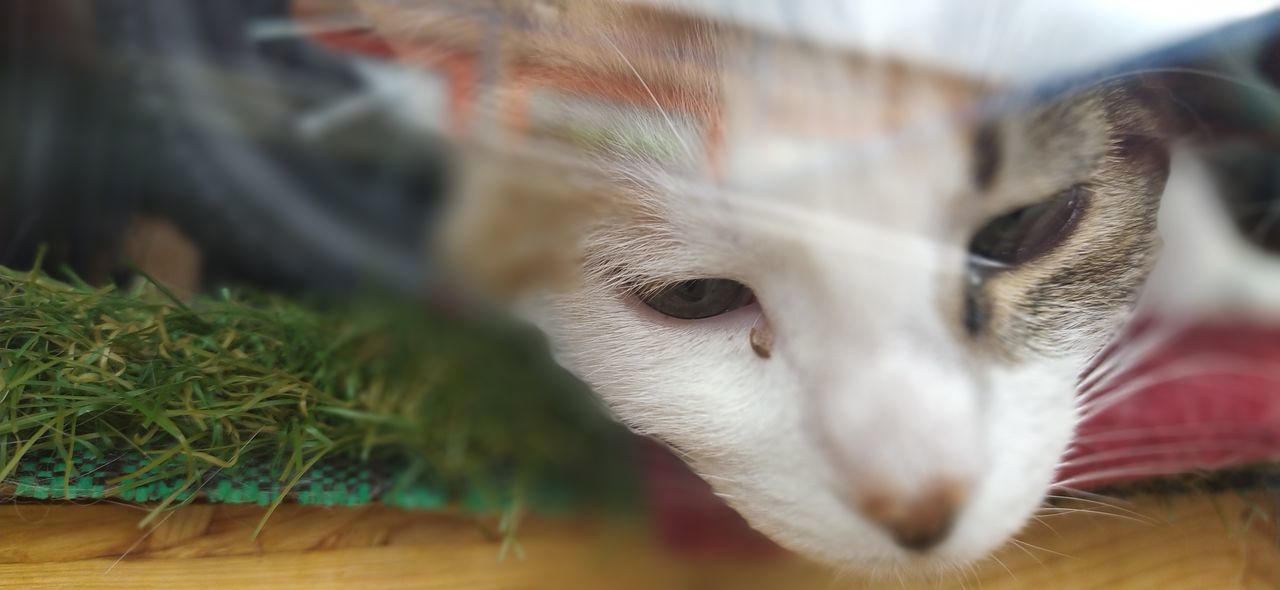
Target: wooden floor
[(1224, 541)]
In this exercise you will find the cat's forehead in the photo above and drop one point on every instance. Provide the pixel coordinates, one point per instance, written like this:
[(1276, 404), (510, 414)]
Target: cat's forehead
[(728, 137), (882, 141), (805, 115), (819, 132)]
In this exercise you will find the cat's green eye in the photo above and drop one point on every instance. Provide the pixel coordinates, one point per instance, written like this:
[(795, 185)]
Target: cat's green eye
[(699, 298), (1030, 232)]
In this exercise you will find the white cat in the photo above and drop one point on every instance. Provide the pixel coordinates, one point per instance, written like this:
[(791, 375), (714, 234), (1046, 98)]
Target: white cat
[(853, 294)]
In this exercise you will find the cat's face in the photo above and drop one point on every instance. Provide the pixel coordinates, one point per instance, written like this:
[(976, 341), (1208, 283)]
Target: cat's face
[(866, 330), (862, 389)]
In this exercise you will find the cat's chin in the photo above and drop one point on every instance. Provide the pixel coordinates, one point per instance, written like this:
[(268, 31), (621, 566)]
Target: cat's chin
[(1007, 500), (960, 556), (892, 563)]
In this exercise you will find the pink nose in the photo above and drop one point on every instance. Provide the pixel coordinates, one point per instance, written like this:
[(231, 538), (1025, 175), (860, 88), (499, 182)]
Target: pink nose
[(918, 521)]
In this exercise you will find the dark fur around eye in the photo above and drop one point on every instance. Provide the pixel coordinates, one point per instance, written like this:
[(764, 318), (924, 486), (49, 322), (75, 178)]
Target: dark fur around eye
[(986, 156), (975, 311), (699, 298), (1030, 232)]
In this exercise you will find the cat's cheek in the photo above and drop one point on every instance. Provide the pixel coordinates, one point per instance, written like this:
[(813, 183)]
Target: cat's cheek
[(1030, 422)]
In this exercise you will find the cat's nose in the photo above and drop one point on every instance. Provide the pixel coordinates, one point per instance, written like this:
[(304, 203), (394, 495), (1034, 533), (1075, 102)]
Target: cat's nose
[(919, 521)]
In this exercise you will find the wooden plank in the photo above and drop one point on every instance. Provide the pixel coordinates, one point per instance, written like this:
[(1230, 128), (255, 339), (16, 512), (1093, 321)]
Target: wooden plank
[(1224, 541)]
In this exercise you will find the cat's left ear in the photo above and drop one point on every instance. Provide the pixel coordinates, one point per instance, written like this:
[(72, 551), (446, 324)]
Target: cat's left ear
[(1230, 92), (1225, 106), (1141, 129)]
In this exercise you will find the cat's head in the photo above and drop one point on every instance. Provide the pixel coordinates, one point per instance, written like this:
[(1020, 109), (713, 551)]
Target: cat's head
[(875, 361), (853, 301)]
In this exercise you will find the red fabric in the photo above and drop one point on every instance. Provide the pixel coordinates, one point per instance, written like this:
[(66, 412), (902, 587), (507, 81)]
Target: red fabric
[(689, 517), (1209, 399)]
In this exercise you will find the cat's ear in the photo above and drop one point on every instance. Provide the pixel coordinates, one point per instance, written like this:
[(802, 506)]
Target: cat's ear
[(1229, 94), (1225, 106), (1141, 133)]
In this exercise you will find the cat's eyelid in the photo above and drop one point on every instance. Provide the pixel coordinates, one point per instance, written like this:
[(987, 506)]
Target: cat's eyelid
[(647, 284), (634, 280)]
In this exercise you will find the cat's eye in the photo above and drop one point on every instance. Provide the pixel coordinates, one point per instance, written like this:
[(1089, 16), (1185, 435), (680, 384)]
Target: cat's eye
[(699, 298), (1029, 232)]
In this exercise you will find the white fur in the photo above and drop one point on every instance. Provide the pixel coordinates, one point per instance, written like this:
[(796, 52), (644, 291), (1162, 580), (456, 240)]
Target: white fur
[(868, 383), (852, 246), (1208, 269)]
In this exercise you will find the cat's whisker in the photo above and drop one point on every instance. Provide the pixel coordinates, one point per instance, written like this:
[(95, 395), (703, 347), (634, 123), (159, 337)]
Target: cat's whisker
[(1243, 446), (657, 104), (1023, 547), (1199, 428), (1084, 496), (997, 559), (1091, 512), (1195, 366), (1092, 499), (949, 570), (1124, 358), (902, 582), (972, 570), (1119, 473), (958, 572), (1104, 509), (715, 477), (1105, 402), (1045, 524), (1041, 549)]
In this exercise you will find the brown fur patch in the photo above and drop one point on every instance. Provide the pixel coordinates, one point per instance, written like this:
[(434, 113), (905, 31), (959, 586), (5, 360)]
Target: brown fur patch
[(1077, 295)]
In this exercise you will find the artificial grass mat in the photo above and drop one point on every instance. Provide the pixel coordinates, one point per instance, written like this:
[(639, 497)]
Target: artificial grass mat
[(239, 397)]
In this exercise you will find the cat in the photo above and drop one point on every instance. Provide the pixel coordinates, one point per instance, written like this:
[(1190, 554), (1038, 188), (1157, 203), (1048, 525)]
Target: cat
[(856, 294)]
